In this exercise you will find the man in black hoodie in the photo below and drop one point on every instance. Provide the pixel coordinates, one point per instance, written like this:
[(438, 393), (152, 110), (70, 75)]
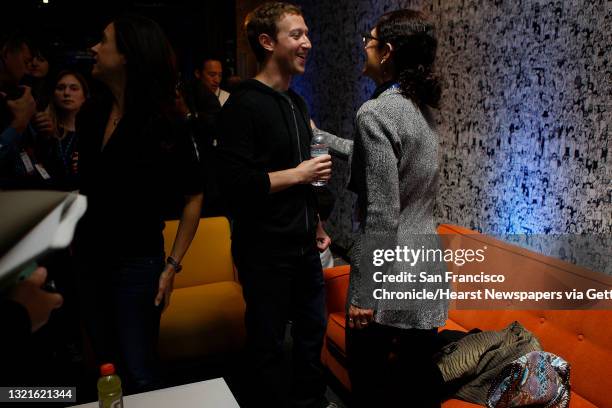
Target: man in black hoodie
[(265, 173)]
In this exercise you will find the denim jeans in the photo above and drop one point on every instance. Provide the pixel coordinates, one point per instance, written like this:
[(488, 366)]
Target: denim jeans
[(121, 318), (279, 288)]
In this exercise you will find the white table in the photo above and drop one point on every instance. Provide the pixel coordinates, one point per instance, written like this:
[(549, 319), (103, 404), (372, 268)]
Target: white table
[(212, 393)]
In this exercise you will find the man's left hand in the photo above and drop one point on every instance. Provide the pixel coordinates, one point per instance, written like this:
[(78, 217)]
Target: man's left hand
[(323, 240)]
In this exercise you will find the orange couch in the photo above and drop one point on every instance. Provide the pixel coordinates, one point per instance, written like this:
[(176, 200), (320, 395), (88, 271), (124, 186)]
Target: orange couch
[(206, 313), (582, 337)]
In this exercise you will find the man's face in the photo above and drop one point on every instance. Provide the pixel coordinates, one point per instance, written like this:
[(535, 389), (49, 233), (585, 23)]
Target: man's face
[(16, 62), (211, 75), (292, 45)]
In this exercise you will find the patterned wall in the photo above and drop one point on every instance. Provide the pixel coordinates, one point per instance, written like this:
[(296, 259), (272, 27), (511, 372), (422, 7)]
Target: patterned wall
[(525, 116)]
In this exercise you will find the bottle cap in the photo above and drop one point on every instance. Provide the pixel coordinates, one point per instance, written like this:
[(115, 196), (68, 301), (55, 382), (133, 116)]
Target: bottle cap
[(107, 369)]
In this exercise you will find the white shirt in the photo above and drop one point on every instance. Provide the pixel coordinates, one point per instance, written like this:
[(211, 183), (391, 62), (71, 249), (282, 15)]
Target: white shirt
[(222, 96)]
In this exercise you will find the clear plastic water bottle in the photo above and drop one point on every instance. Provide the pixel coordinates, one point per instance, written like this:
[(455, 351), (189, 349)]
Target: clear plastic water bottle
[(109, 388), (318, 147)]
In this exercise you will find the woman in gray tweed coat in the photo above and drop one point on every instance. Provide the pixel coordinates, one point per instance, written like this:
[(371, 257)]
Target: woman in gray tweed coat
[(394, 172)]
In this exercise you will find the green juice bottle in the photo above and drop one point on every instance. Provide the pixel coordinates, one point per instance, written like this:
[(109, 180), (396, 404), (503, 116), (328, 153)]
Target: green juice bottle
[(109, 388)]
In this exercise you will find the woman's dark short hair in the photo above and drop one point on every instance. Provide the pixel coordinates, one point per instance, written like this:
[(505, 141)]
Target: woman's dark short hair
[(263, 20), (414, 43), (150, 64)]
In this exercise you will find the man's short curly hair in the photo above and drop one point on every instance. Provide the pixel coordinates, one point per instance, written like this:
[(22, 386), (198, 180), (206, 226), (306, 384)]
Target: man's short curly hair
[(263, 20)]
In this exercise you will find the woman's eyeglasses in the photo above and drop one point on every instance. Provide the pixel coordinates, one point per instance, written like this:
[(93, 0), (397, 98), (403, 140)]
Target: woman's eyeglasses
[(367, 37)]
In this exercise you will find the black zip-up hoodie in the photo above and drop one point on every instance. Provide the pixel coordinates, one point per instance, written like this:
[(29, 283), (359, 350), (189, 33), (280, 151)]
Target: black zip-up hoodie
[(261, 131)]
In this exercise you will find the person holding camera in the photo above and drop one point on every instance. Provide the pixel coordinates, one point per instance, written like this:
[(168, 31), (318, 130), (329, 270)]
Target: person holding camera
[(19, 167)]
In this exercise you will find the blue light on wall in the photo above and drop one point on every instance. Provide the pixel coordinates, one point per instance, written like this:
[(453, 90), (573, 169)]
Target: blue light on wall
[(524, 121)]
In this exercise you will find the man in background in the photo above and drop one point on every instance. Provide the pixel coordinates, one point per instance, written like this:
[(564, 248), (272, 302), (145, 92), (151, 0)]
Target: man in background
[(210, 73)]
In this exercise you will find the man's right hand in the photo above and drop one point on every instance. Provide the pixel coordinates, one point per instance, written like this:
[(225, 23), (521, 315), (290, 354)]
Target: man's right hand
[(38, 302), (306, 172), (43, 123), (319, 168), (22, 109)]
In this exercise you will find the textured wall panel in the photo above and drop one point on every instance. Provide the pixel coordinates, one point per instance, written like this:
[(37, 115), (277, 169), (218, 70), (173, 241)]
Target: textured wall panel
[(525, 116)]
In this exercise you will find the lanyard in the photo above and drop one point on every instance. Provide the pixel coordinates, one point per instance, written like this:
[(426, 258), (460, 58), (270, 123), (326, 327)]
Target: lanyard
[(63, 151)]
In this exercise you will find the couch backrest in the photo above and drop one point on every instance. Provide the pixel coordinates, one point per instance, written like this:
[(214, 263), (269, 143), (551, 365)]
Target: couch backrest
[(524, 271), (209, 257)]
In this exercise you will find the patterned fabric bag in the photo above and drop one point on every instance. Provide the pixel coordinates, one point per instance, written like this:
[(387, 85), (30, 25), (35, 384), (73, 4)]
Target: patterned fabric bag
[(535, 379)]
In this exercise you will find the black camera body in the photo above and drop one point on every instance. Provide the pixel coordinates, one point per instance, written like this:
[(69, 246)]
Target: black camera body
[(13, 93)]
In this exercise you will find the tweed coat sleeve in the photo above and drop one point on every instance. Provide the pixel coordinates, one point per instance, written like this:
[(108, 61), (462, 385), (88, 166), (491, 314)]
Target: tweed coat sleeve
[(338, 146)]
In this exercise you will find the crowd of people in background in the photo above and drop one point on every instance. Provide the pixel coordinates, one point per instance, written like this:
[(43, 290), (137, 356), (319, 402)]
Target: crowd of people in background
[(42, 95), (148, 144), (138, 145)]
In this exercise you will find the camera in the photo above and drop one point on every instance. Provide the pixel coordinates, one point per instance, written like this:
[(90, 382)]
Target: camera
[(13, 93)]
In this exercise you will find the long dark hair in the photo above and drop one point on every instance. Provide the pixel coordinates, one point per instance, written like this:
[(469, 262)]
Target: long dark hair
[(150, 64), (414, 51)]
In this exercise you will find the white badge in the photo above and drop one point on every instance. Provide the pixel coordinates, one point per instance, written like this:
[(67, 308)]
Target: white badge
[(27, 162), (41, 170)]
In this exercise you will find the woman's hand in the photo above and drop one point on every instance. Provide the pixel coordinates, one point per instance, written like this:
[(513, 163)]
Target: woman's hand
[(359, 318), (166, 285)]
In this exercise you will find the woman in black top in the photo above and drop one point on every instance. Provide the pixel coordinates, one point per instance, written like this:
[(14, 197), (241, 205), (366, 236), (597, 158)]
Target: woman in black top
[(131, 160)]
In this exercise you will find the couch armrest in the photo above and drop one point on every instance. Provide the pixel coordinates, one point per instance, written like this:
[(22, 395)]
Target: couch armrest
[(336, 285)]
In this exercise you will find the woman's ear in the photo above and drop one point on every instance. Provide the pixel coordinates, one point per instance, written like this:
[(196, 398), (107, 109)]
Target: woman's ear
[(388, 51), (266, 42)]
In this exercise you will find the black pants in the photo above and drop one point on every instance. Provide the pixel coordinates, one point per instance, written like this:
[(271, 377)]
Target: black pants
[(121, 318), (279, 288), (391, 367)]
